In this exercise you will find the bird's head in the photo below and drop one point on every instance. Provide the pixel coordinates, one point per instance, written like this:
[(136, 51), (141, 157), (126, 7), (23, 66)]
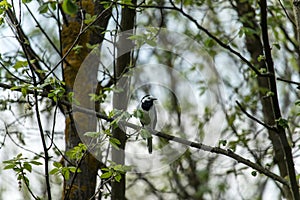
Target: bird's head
[(148, 98), (147, 102)]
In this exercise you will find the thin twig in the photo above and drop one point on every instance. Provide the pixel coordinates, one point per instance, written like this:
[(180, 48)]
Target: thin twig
[(61, 153), (67, 194), (47, 158), (60, 39), (207, 32), (81, 32), (46, 35), (26, 183), (100, 187), (20, 146), (286, 13), (288, 81), (14, 75), (53, 128), (42, 30), (273, 128)]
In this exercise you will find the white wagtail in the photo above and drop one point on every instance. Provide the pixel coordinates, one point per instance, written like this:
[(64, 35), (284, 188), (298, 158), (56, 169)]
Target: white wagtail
[(149, 118)]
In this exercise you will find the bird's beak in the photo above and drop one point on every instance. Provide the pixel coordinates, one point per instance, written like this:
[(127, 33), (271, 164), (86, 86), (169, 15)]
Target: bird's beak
[(153, 98)]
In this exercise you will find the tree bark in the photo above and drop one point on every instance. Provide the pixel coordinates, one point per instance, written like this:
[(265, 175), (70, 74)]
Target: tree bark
[(296, 8), (81, 185), (120, 97), (270, 106)]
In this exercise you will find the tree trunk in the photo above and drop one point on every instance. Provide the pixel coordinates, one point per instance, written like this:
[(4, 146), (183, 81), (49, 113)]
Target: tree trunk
[(81, 185), (120, 97), (296, 8), (255, 47)]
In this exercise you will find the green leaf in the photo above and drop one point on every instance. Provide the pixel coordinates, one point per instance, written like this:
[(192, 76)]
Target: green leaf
[(106, 175), (114, 142), (209, 42), (104, 169), (118, 177), (54, 171), (43, 8), (77, 49), (150, 42), (53, 5), (283, 122), (89, 18), (36, 162), (232, 145), (69, 7), (276, 45), (4, 5), (10, 166), (262, 70), (24, 91), (92, 134), (26, 1), (27, 166), (19, 156), (269, 94), (82, 147), (15, 87), (231, 120), (127, 2), (118, 168), (111, 114), (89, 46), (57, 164), (73, 169), (106, 4), (107, 132), (66, 174), (136, 37), (261, 58), (247, 31), (77, 152), (19, 64)]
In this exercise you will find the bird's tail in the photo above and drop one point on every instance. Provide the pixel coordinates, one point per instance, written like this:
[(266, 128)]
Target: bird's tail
[(149, 144)]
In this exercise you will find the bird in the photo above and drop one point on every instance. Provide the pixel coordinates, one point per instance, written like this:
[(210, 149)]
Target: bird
[(148, 118)]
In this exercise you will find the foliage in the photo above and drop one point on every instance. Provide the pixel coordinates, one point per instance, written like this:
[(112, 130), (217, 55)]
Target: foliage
[(4, 5), (64, 171), (70, 7), (245, 105), (77, 152), (20, 165), (114, 171)]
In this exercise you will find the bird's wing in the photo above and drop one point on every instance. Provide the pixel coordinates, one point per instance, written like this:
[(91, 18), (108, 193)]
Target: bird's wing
[(153, 116)]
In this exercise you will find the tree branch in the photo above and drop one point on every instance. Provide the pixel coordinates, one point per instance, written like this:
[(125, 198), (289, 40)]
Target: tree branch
[(226, 152), (276, 109), (255, 119), (189, 143)]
